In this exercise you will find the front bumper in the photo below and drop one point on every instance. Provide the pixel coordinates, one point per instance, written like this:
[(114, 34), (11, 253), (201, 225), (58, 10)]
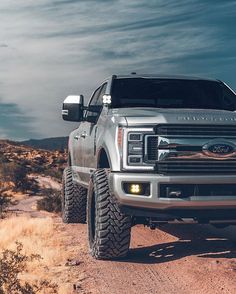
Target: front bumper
[(157, 201)]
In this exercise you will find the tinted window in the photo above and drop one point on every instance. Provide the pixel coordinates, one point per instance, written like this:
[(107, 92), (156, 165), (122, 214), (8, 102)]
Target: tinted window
[(93, 102), (97, 102), (102, 92), (172, 93)]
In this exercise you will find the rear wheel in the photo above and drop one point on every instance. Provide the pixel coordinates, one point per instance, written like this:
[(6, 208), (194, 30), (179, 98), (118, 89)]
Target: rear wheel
[(74, 199), (109, 229)]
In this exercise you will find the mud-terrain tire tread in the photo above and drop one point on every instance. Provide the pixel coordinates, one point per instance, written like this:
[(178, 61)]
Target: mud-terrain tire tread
[(74, 199), (112, 228)]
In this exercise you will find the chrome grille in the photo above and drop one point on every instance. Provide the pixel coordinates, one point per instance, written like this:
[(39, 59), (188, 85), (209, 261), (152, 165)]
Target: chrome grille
[(152, 148), (196, 130), (209, 167), (181, 149)]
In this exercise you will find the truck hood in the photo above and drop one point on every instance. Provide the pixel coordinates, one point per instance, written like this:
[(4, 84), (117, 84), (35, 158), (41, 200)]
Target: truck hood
[(150, 116)]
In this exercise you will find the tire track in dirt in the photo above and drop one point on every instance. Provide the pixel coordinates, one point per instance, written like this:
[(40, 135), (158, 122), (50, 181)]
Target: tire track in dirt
[(175, 259)]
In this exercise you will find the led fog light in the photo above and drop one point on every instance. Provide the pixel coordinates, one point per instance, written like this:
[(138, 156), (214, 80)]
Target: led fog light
[(137, 188)]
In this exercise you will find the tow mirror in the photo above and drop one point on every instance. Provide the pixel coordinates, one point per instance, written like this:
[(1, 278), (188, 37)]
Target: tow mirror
[(73, 108)]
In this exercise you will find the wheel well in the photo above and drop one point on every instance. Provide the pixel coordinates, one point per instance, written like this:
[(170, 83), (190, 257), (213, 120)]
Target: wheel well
[(103, 161)]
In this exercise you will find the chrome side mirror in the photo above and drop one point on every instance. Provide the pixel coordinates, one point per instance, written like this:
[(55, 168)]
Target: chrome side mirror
[(73, 108)]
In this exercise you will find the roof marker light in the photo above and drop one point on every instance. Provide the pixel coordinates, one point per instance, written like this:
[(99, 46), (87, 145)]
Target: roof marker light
[(106, 99)]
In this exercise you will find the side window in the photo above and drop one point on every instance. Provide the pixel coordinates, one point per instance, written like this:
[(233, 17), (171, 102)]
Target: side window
[(93, 102), (102, 92), (97, 102), (228, 98)]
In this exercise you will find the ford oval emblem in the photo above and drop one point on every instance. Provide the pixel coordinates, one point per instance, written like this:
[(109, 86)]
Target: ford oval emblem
[(218, 149)]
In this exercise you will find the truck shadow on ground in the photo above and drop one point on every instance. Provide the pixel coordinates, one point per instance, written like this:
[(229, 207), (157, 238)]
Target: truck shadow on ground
[(194, 240)]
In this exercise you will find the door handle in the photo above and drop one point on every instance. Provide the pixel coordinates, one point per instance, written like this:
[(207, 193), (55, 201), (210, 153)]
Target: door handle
[(84, 135)]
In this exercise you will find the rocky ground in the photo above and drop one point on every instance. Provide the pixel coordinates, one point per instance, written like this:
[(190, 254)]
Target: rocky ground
[(172, 259), (35, 160)]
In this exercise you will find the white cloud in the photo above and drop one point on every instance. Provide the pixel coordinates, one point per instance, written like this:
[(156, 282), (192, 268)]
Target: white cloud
[(56, 48)]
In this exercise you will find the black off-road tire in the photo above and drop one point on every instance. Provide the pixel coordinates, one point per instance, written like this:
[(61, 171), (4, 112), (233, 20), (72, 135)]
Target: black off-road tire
[(74, 199), (109, 229)]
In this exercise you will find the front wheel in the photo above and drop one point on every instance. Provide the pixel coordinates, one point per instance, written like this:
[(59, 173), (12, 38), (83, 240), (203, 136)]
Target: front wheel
[(109, 229)]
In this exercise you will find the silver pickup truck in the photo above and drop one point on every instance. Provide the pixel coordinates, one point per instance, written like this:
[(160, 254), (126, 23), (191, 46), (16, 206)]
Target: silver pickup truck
[(149, 150)]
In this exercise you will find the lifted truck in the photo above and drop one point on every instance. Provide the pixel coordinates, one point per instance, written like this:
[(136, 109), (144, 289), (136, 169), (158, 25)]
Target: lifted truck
[(149, 150)]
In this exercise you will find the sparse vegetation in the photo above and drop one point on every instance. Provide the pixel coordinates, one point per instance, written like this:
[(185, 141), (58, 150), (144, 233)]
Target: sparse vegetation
[(22, 182), (38, 236), (17, 175), (18, 162), (54, 173), (24, 171), (12, 264), (33, 233), (22, 270), (51, 201), (4, 202), (15, 157)]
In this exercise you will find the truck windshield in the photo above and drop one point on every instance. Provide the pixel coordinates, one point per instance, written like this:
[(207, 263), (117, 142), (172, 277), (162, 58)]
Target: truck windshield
[(172, 93)]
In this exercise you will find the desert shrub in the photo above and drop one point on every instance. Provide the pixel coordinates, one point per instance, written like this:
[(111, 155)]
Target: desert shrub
[(18, 174), (60, 160), (37, 168), (4, 202), (3, 159), (20, 177), (15, 173), (12, 264), (6, 170), (51, 200), (54, 173), (31, 186)]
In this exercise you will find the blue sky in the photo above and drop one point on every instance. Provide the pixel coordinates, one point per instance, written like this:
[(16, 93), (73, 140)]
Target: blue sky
[(52, 48)]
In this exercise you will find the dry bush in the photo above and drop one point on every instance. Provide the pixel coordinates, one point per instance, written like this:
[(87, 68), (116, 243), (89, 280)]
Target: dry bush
[(33, 233), (18, 175), (12, 264), (22, 181), (51, 201), (38, 236), (55, 172), (5, 201)]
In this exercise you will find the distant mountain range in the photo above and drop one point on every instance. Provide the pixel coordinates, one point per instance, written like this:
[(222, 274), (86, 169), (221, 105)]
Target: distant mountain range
[(57, 143)]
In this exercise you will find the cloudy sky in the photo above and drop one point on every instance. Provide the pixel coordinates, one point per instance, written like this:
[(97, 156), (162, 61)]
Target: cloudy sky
[(52, 48)]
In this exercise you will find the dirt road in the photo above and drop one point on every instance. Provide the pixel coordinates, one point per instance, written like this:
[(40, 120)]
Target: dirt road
[(173, 259)]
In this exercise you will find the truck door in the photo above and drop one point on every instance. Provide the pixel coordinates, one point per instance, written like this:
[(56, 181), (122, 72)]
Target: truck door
[(77, 148), (90, 128)]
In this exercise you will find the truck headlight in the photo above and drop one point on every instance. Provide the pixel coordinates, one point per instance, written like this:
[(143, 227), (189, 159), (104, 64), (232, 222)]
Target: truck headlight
[(133, 148)]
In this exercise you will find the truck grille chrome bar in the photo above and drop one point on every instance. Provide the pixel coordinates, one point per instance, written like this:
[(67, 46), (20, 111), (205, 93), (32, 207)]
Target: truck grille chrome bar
[(196, 130), (184, 149), (209, 167)]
